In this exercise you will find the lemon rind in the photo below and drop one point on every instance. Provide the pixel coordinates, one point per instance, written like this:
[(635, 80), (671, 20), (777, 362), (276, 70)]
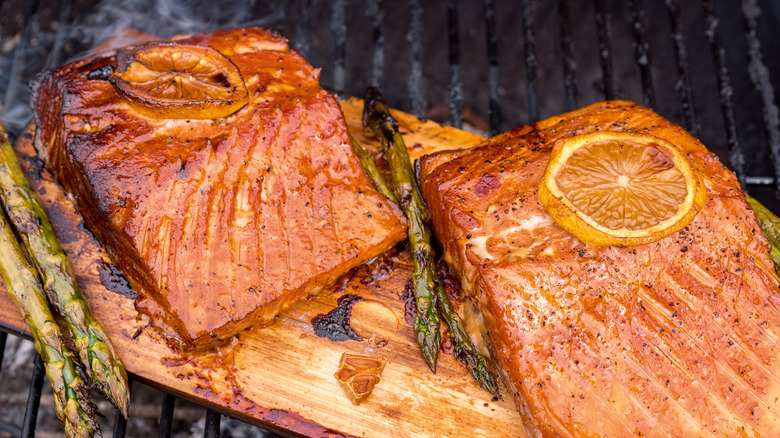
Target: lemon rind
[(573, 220)]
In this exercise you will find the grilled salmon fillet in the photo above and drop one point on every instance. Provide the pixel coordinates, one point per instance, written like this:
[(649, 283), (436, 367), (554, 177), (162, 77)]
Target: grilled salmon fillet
[(673, 338), (218, 224)]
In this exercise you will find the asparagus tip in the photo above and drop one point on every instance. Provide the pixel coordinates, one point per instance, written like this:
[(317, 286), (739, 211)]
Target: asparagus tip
[(429, 339), (479, 369), (116, 391), (376, 108), (74, 407), (105, 369)]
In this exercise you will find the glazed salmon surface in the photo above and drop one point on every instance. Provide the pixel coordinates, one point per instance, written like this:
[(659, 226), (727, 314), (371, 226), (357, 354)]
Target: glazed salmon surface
[(673, 338), (218, 224)]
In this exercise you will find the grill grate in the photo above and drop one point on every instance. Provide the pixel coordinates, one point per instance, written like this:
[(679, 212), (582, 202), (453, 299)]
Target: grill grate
[(705, 65), (456, 86), (569, 64), (166, 415), (685, 90), (531, 65), (736, 156), (759, 75), (642, 52), (120, 424), (603, 31), (491, 36), (33, 399)]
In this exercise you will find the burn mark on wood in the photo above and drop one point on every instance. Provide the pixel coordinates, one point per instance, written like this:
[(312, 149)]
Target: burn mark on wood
[(114, 280), (334, 325), (410, 306)]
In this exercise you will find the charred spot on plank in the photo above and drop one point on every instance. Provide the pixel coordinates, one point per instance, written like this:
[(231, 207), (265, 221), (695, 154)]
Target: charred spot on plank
[(334, 325), (410, 307), (114, 280), (34, 165)]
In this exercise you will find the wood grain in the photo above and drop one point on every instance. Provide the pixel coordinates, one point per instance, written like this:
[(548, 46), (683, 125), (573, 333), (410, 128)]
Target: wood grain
[(281, 377)]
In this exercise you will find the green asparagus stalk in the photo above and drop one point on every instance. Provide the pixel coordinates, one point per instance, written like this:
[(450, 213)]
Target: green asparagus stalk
[(102, 366), (464, 348), (770, 225), (71, 393), (426, 322), (774, 254), (476, 363), (429, 291), (373, 171)]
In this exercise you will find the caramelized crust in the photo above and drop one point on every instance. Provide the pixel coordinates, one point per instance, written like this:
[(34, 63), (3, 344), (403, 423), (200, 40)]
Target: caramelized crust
[(218, 224), (673, 338)]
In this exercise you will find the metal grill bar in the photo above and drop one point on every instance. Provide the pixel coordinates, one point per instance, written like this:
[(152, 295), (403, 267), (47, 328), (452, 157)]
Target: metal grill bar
[(531, 63), (3, 339), (684, 87), (603, 31), (642, 52), (213, 419), (166, 415), (759, 75), (736, 155), (491, 36), (303, 30), (33, 399), (338, 28), (456, 86), (15, 84), (414, 38), (120, 423), (567, 50), (377, 13), (10, 428)]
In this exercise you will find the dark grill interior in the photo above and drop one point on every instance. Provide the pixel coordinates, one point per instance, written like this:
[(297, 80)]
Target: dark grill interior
[(711, 66)]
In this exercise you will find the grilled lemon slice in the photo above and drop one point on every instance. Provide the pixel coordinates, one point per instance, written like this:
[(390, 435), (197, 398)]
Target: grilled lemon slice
[(179, 81), (620, 189)]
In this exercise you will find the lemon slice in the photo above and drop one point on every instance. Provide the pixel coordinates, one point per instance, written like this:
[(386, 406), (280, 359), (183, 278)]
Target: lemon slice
[(179, 81), (620, 189)]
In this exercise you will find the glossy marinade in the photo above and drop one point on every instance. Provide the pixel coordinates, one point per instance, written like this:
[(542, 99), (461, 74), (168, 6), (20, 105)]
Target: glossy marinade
[(676, 337), (218, 224)]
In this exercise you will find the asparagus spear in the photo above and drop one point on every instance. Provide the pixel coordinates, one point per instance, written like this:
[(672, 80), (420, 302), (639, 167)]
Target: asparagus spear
[(373, 172), (71, 394), (774, 254), (429, 291), (426, 322), (770, 225), (102, 365), (464, 348)]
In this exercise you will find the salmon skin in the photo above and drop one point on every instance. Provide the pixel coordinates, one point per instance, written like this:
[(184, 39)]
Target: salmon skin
[(218, 224), (673, 338)]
